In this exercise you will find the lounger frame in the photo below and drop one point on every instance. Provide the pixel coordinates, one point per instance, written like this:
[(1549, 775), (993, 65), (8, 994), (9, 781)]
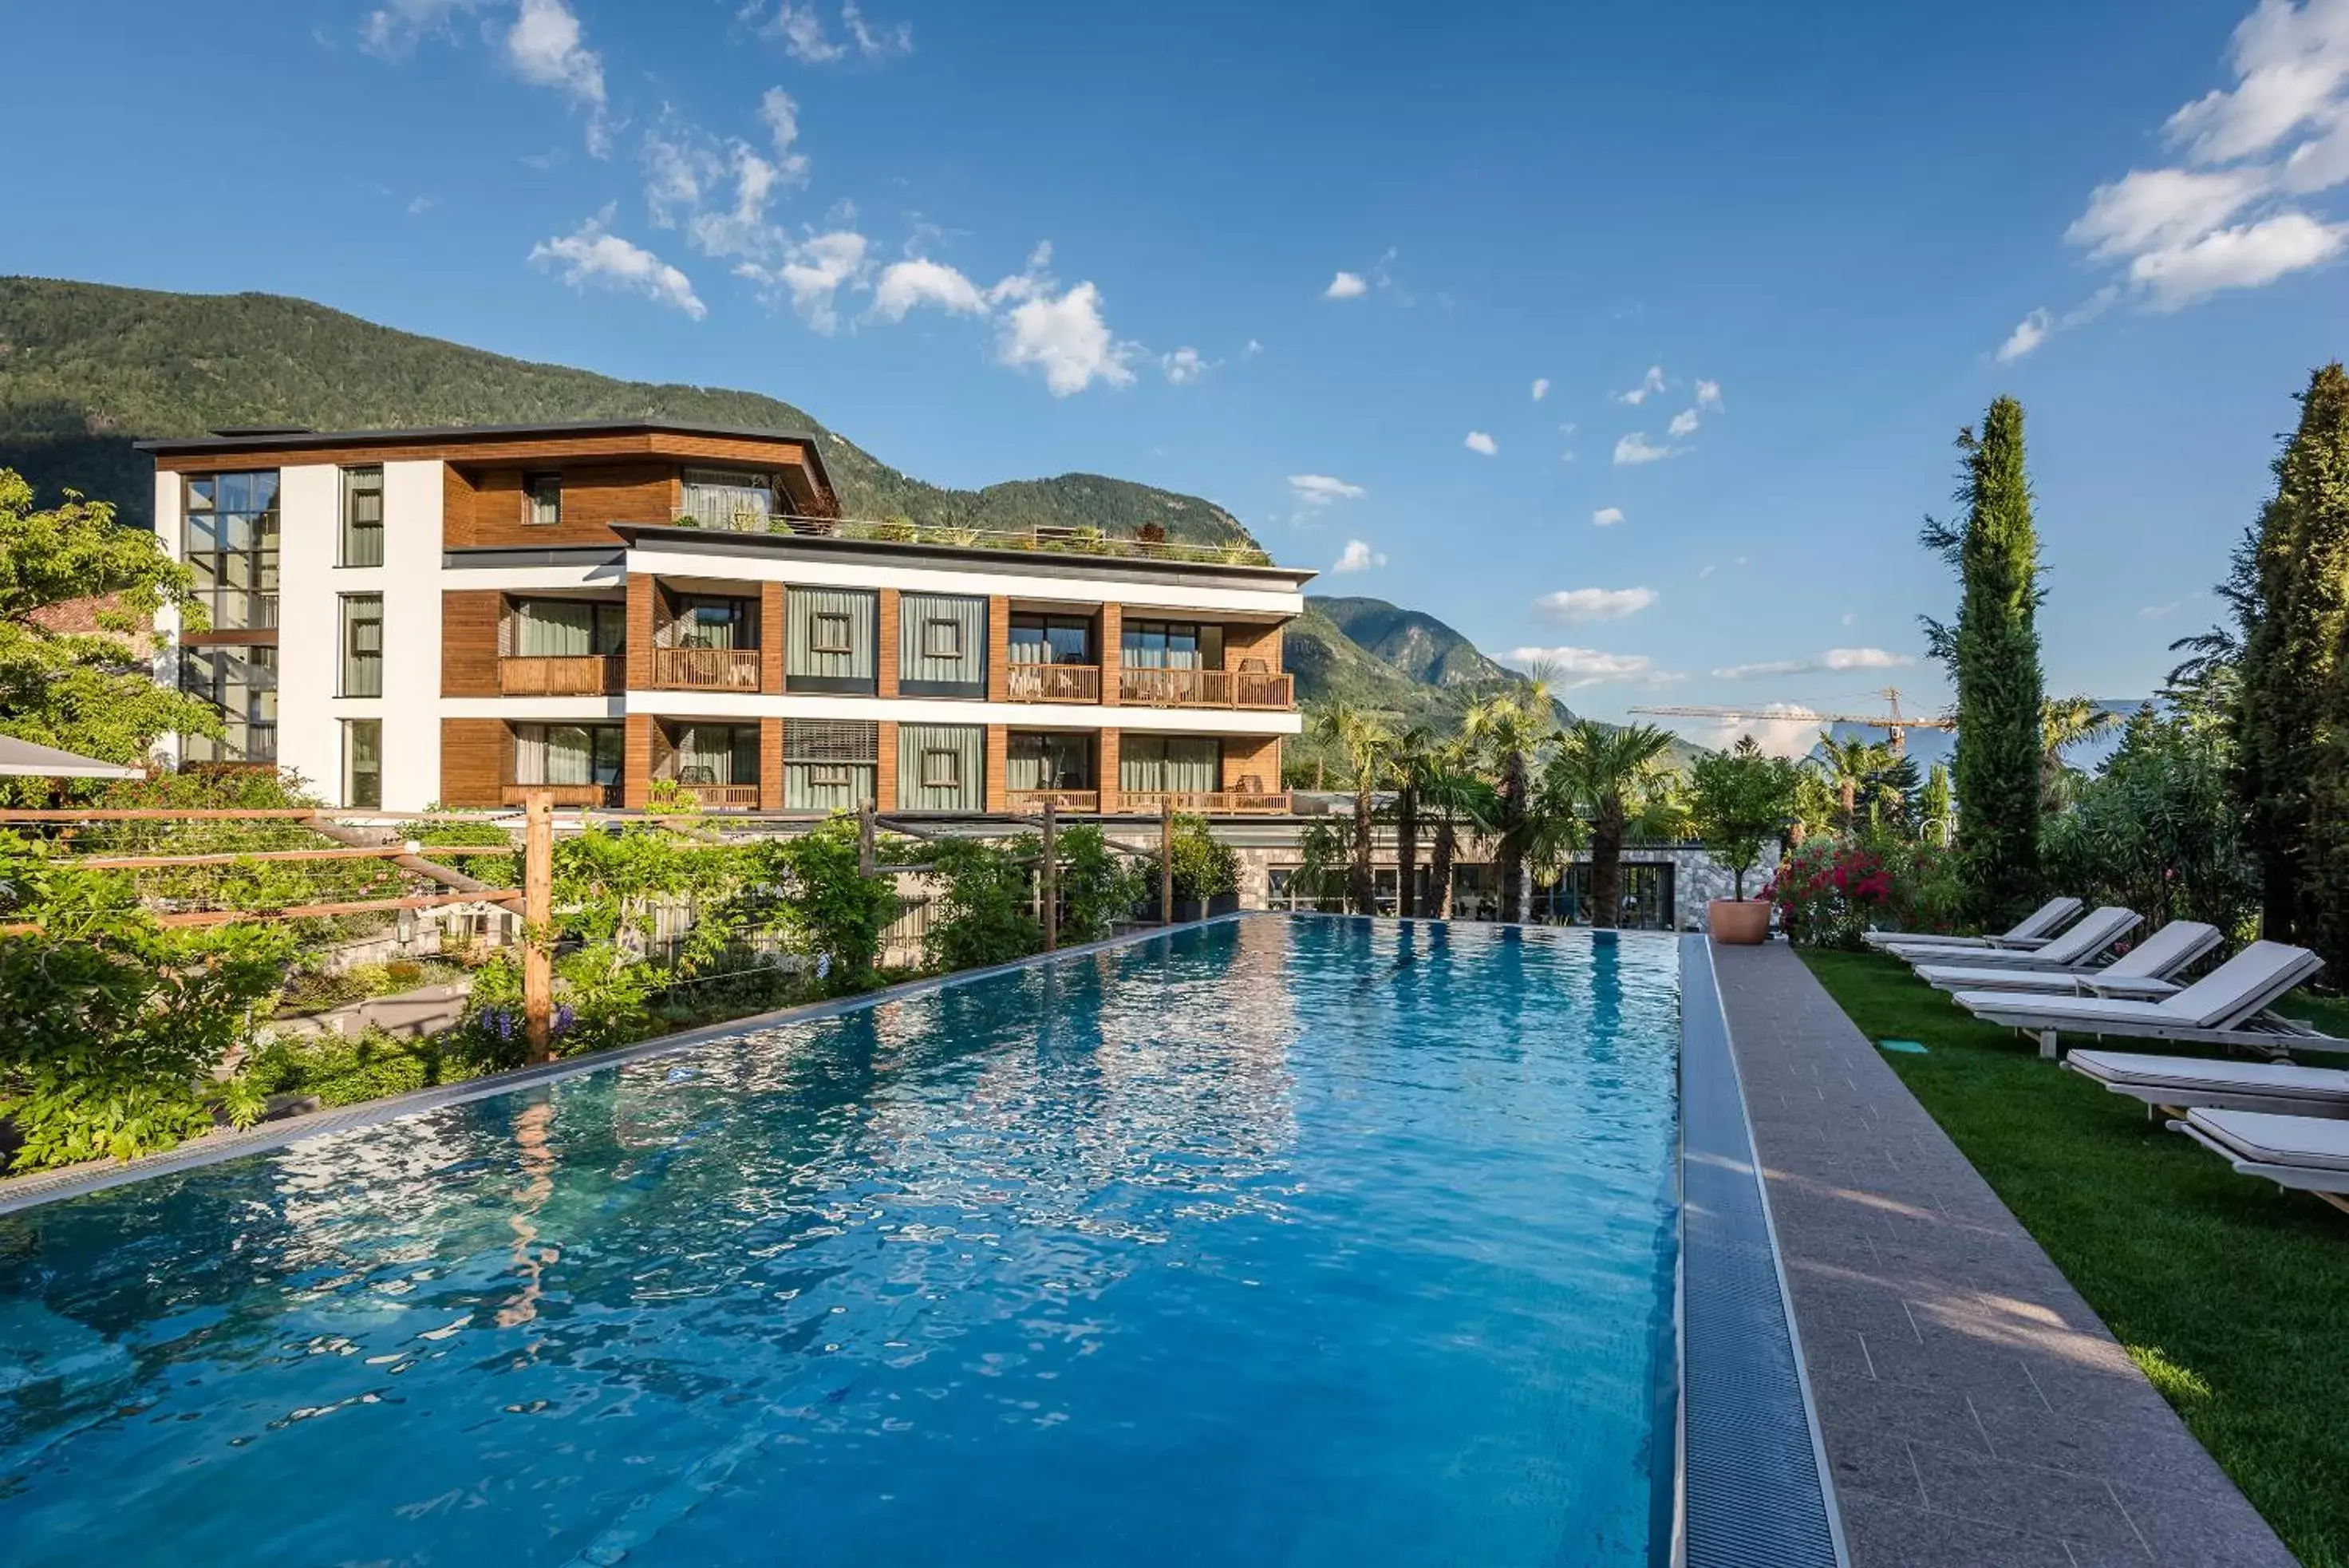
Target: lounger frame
[(2333, 1185)]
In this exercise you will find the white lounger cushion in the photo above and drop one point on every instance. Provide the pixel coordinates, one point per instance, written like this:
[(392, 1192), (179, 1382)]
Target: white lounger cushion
[(2037, 924), (2237, 989), (2314, 1143), (2084, 942), (2190, 1074), (2138, 974)]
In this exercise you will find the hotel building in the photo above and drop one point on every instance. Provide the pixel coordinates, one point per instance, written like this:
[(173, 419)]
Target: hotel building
[(620, 609)]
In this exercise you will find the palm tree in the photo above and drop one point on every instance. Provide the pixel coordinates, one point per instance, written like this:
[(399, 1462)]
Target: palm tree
[(2064, 723), (1506, 730), (1456, 798), (1613, 775), (1411, 760), (1855, 768), (1363, 742)]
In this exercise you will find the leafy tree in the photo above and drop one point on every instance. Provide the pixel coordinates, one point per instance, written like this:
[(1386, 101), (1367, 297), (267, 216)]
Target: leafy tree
[(2291, 656), (841, 913), (1993, 653), (88, 692), (1363, 743), (983, 903), (1937, 807), (1205, 866), (1094, 884), (2065, 725), (1743, 800), (2155, 829), (1861, 772), (1613, 775)]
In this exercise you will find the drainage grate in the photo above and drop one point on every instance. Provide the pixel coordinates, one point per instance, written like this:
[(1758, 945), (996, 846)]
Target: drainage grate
[(1754, 1492)]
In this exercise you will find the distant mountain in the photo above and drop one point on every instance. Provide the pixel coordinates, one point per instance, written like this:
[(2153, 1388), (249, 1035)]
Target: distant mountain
[(1422, 647), (85, 369)]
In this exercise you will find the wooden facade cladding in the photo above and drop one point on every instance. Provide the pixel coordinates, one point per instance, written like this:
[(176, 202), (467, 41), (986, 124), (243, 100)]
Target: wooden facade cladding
[(1242, 643), (469, 641), (635, 759), (644, 595), (886, 671), (1253, 757), (885, 766), (476, 760), (594, 496), (773, 634), (1105, 768), (1110, 657), (999, 660), (771, 764), (998, 769)]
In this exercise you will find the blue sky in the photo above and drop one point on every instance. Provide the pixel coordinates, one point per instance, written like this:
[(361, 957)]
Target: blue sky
[(1314, 261)]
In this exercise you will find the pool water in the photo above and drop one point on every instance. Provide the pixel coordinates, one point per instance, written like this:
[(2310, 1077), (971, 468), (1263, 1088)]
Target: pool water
[(1281, 1240)]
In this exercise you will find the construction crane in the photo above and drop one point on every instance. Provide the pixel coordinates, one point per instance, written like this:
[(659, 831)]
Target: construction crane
[(1894, 720)]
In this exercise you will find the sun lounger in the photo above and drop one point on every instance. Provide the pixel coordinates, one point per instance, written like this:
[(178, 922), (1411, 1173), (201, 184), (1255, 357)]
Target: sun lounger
[(2141, 974), (2179, 1083), (2224, 1007), (2309, 1154), (2077, 946), (2031, 932)]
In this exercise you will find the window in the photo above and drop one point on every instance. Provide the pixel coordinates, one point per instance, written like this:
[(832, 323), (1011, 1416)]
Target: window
[(709, 622), (241, 681), (941, 767), (941, 640), (1169, 765), (1051, 640), (941, 645), (362, 645), (828, 764), (716, 498), (363, 763), (568, 754), (1053, 760), (831, 641), (544, 499), (362, 517), (831, 634), (229, 540), (711, 754), (1172, 645), (567, 629)]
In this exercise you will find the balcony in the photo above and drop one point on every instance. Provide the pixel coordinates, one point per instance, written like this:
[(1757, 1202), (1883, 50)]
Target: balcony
[(1053, 683), (720, 797), (1204, 689), (582, 675), (1206, 803), (1036, 800), (607, 796), (706, 668)]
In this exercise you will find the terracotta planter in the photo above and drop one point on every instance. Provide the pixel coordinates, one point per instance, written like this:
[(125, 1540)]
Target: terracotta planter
[(1738, 922)]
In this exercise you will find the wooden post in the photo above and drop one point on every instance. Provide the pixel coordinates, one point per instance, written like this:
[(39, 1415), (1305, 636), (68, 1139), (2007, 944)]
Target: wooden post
[(1167, 861), (1051, 881), (538, 916), (866, 856)]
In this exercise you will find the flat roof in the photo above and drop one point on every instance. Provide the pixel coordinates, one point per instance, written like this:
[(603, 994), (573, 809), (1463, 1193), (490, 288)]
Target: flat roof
[(242, 438), (1045, 562)]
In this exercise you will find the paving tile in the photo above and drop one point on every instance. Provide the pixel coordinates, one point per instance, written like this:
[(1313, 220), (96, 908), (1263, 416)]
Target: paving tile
[(2119, 1450), (2222, 1532), (1870, 1462), (2024, 1497), (1850, 1404), (1881, 1534)]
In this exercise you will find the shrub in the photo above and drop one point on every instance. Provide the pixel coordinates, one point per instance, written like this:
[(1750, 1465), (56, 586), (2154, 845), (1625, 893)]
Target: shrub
[(982, 909), (1095, 886), (1205, 866), (830, 911), (343, 1072), (1829, 891)]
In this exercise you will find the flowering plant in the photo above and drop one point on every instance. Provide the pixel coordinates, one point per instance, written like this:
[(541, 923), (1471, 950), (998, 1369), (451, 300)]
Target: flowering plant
[(1829, 891)]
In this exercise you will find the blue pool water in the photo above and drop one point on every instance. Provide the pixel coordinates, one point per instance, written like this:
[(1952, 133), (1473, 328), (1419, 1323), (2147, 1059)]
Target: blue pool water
[(1295, 1241)]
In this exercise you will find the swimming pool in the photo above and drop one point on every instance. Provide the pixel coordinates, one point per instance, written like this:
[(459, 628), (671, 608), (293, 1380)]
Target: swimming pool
[(1280, 1240)]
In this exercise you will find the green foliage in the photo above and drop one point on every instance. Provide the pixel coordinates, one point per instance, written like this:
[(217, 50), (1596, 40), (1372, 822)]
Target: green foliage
[(1614, 781), (836, 914), (345, 1072), (116, 1024), (1993, 653), (1205, 866), (1323, 852), (2155, 829), (1095, 886), (982, 914), (1829, 891), (1742, 802), (88, 691)]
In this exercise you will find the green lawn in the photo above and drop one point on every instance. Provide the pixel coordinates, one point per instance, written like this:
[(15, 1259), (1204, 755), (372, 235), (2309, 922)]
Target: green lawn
[(2233, 1296)]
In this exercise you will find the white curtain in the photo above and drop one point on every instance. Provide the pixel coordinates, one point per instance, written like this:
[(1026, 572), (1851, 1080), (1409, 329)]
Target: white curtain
[(717, 499), (566, 755), (951, 653), (1049, 761), (842, 616), (942, 767), (552, 629), (1184, 764)]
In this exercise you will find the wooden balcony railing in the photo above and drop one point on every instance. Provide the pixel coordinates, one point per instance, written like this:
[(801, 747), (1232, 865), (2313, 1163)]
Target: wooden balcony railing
[(1204, 803), (1203, 689), (1053, 683), (1077, 800), (706, 668), (723, 797), (604, 795), (584, 675)]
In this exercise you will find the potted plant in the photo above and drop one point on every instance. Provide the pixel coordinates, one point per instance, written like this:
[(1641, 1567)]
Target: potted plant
[(1742, 800), (1207, 871)]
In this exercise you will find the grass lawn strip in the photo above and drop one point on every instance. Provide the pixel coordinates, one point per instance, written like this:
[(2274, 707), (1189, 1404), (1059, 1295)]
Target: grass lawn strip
[(2232, 1296)]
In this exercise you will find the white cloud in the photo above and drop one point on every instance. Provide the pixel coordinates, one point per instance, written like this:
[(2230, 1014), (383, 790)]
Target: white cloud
[(1633, 450), (1707, 570), (1324, 490), (781, 114), (393, 30), (1541, 387), (1607, 516), (1708, 395), (1790, 730), (920, 281), (1066, 337), (1570, 606), (1478, 442), (1683, 423), (1649, 385), (2029, 333), (2220, 219), (815, 271), (1358, 556), (875, 43), (1252, 350), (546, 47), (1572, 668), (1834, 658), (1345, 285), (2155, 612), (802, 30), (595, 256), (1184, 366)]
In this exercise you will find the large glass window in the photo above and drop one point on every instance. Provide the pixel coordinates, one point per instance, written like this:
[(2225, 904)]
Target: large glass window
[(712, 754), (241, 680), (362, 517), (569, 753), (362, 645), (363, 762), (229, 540), (1159, 764), (543, 499), (1172, 645), (1051, 640), (568, 628), (720, 498), (828, 764), (706, 621), (1045, 759), (832, 640), (941, 645), (941, 767)]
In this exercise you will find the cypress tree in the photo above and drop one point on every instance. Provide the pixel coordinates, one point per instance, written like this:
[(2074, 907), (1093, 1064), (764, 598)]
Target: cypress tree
[(2292, 767), (1993, 653)]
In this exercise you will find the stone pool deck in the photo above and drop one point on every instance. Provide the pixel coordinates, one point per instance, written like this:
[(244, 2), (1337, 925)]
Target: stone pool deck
[(1974, 1410)]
